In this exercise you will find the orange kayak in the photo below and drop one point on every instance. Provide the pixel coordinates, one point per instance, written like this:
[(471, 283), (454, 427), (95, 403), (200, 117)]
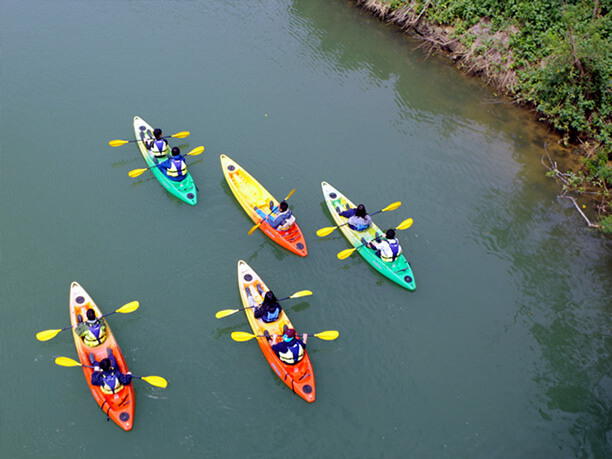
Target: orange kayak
[(299, 377), (250, 194), (118, 406)]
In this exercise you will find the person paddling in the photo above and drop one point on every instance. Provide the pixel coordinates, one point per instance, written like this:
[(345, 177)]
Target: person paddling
[(107, 375), (387, 249), (358, 218), (290, 349), (269, 310), (175, 167), (158, 145), (283, 221), (93, 330)]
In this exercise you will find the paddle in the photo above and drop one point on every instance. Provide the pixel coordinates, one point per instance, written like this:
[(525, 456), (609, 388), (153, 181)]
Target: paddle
[(156, 381), (137, 172), (229, 312), (330, 229), (46, 335), (348, 252), (118, 143), (328, 335), (252, 230)]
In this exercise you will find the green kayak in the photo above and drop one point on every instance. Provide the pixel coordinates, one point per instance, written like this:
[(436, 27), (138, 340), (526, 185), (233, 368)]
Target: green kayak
[(185, 190), (399, 271)]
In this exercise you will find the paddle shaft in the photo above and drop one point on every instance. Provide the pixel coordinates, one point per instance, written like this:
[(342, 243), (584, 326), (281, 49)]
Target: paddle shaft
[(137, 172), (328, 335), (89, 366), (157, 381), (118, 142), (103, 315), (151, 139), (144, 378), (257, 305), (252, 230), (348, 252), (133, 376), (373, 213)]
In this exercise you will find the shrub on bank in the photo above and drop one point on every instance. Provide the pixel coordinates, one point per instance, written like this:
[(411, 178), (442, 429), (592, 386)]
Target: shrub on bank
[(557, 56)]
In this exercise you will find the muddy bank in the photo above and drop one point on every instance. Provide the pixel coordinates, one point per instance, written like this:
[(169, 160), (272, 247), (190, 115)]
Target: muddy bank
[(492, 62), (483, 53)]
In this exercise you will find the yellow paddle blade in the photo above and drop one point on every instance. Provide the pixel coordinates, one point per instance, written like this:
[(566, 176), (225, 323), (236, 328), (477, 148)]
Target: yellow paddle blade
[(242, 336), (326, 231), (290, 193), (225, 313), (328, 335), (181, 135), (129, 307), (156, 381), (136, 172), (47, 334), (392, 206), (67, 362), (252, 230), (196, 151), (346, 253), (118, 143), (301, 293), (405, 224)]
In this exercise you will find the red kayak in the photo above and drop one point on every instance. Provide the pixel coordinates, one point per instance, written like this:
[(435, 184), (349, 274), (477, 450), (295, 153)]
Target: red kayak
[(118, 406)]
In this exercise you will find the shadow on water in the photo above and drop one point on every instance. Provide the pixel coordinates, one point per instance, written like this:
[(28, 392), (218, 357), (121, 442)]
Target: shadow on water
[(299, 307), (571, 328), (226, 332)]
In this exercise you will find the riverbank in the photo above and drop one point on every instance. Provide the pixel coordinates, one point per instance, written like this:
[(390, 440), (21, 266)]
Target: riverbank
[(533, 57)]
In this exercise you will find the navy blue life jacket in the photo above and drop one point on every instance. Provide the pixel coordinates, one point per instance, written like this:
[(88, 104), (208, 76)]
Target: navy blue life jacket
[(111, 382), (177, 169), (294, 353)]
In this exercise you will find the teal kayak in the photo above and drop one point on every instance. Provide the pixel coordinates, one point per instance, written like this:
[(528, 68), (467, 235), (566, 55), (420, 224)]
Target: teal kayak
[(185, 190), (399, 271)]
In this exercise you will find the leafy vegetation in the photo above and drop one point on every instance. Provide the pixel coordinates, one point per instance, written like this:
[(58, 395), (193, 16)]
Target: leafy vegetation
[(560, 55)]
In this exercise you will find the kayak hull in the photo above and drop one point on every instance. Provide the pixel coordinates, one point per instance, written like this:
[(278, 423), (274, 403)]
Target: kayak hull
[(399, 271), (120, 406), (185, 190), (299, 377), (250, 194)]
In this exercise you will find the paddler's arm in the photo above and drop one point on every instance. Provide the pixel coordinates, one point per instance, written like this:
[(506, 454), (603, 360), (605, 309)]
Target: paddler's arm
[(125, 378)]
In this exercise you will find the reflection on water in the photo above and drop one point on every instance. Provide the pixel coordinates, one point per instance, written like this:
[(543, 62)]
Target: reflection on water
[(502, 351), (560, 300)]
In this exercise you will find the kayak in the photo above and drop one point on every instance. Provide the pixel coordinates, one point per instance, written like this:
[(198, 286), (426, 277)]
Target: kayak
[(399, 271), (250, 194), (119, 406), (299, 377), (185, 190)]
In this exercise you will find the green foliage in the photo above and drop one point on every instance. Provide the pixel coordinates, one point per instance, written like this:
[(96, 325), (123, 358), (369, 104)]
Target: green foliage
[(598, 168), (562, 55), (606, 225)]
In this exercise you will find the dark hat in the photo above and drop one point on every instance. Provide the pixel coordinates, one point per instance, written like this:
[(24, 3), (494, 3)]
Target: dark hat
[(91, 314), (157, 133), (176, 151), (270, 297), (290, 333), (390, 233), (105, 364)]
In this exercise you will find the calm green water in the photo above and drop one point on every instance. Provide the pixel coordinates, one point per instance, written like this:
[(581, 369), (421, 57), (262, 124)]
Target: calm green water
[(502, 351)]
